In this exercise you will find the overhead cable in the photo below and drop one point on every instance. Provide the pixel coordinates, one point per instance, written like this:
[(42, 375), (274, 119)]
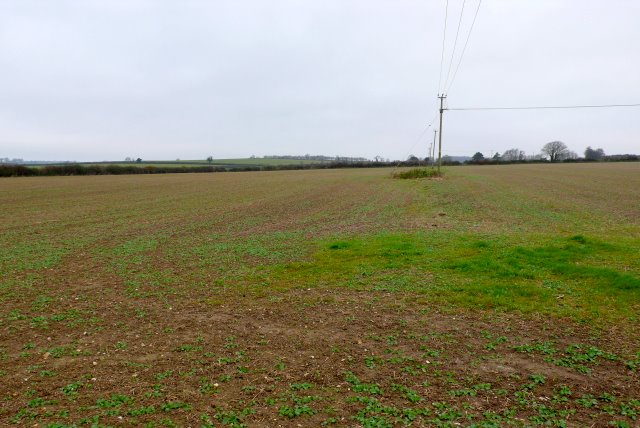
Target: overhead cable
[(547, 107), (444, 36), (455, 43), (424, 131), (465, 47)]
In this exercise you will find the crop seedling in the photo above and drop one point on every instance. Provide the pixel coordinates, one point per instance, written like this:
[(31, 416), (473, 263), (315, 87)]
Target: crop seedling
[(499, 296)]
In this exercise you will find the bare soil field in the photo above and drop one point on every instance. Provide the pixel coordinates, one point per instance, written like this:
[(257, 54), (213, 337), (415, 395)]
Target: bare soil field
[(497, 296)]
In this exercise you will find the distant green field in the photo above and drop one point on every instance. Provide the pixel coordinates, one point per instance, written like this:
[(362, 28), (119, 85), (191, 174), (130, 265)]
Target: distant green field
[(197, 162), (143, 164), (262, 161)]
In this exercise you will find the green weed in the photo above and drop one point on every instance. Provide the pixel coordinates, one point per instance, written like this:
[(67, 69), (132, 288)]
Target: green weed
[(418, 173)]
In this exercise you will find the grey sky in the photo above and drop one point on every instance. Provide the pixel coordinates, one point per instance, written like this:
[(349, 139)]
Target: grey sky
[(97, 80)]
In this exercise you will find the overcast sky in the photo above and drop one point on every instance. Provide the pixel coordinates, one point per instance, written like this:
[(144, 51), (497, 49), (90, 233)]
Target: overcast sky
[(103, 80)]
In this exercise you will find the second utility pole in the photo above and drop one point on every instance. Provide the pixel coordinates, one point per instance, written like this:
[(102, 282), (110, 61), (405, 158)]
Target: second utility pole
[(432, 150), (442, 97)]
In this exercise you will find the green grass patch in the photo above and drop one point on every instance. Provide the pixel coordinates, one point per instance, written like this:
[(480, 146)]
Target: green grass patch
[(575, 276), (418, 173)]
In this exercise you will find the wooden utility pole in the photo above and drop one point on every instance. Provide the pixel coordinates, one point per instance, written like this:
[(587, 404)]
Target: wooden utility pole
[(432, 149), (442, 97)]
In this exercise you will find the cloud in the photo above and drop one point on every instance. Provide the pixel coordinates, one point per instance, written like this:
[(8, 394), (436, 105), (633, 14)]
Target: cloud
[(93, 80)]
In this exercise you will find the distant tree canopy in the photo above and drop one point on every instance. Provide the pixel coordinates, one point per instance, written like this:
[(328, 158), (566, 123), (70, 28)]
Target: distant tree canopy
[(555, 150), (477, 157), (210, 159), (139, 160), (569, 155), (594, 155), (513, 155)]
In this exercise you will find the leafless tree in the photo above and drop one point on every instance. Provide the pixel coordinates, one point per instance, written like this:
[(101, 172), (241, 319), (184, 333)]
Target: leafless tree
[(513, 155), (555, 150)]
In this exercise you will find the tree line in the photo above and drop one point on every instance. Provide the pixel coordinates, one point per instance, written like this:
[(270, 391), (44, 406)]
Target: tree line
[(79, 169), (554, 151)]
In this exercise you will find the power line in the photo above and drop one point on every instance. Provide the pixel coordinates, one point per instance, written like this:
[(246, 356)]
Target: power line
[(455, 43), (547, 107), (465, 46), (444, 36), (424, 131)]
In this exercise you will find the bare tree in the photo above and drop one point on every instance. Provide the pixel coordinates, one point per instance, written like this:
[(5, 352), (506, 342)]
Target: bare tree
[(568, 154), (513, 155), (555, 150)]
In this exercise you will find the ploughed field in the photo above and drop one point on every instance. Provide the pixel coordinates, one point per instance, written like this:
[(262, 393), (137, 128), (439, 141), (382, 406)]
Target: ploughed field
[(497, 296)]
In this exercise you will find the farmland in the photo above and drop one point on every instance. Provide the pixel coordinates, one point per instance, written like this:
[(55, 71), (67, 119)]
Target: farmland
[(499, 295)]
